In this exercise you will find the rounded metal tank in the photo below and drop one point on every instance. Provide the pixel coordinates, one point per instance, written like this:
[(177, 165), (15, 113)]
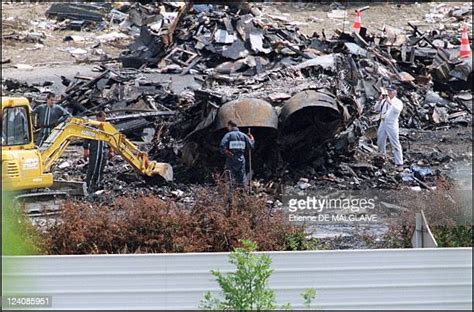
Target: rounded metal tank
[(308, 119), (247, 113)]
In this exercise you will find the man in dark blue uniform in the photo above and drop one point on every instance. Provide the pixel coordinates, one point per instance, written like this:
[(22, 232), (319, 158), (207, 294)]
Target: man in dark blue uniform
[(233, 145), (48, 116), (97, 152)]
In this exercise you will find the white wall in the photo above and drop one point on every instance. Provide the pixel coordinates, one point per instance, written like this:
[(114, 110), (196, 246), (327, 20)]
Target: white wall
[(351, 279)]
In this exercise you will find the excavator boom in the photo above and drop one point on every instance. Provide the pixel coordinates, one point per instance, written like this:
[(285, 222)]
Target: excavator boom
[(77, 128)]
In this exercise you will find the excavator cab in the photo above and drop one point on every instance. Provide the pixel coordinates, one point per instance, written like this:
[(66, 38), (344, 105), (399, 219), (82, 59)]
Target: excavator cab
[(22, 167)]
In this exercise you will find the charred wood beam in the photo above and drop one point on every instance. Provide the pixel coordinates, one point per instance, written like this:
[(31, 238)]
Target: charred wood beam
[(140, 115)]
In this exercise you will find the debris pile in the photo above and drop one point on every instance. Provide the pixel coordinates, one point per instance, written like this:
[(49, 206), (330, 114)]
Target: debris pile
[(231, 39), (79, 16), (134, 104), (353, 70), (156, 23), (19, 30), (449, 16), (307, 100)]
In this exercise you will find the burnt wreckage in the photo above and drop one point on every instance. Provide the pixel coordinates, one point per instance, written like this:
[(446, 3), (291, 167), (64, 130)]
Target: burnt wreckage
[(322, 90), (295, 131), (306, 99)]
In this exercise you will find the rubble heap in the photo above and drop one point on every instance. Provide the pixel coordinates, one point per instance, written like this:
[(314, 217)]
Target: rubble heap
[(135, 105), (354, 69), (225, 41), (311, 98)]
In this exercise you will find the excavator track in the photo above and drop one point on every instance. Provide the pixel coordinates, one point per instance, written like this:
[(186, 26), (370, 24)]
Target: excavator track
[(45, 205), (41, 207)]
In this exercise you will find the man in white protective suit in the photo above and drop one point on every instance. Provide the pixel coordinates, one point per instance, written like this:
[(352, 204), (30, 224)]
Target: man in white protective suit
[(390, 108)]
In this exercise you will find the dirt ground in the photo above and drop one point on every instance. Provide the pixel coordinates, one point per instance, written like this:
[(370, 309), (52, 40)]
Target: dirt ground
[(26, 53), (314, 17)]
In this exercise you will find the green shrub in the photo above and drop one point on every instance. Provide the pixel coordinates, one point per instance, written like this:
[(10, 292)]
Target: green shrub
[(19, 236), (247, 287), (449, 220)]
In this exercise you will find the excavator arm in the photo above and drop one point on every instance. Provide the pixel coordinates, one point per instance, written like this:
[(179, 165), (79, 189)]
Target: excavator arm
[(77, 128)]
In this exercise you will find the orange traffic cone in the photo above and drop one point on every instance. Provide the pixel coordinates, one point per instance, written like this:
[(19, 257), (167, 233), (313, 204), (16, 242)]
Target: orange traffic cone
[(357, 22), (465, 50)]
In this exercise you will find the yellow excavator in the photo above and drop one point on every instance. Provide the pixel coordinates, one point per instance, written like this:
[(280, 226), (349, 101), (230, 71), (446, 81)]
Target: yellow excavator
[(26, 166)]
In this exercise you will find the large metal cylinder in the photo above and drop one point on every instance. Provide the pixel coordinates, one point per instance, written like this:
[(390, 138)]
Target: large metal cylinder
[(247, 113), (308, 119)]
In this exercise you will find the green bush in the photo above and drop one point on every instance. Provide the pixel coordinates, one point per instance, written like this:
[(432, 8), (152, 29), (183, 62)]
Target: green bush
[(449, 220), (19, 236), (457, 236), (247, 287), (298, 241)]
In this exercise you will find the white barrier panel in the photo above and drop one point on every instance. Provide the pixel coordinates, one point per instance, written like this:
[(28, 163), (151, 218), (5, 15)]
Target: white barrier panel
[(437, 278)]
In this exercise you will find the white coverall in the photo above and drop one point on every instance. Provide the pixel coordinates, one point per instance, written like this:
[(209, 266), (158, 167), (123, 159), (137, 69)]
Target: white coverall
[(390, 110)]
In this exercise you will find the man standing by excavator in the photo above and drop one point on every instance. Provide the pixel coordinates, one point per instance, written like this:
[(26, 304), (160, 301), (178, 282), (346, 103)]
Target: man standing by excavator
[(48, 116), (233, 145), (390, 108), (97, 152)]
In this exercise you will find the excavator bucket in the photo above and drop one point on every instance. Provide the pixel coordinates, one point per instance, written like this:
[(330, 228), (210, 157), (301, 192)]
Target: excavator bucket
[(162, 169)]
